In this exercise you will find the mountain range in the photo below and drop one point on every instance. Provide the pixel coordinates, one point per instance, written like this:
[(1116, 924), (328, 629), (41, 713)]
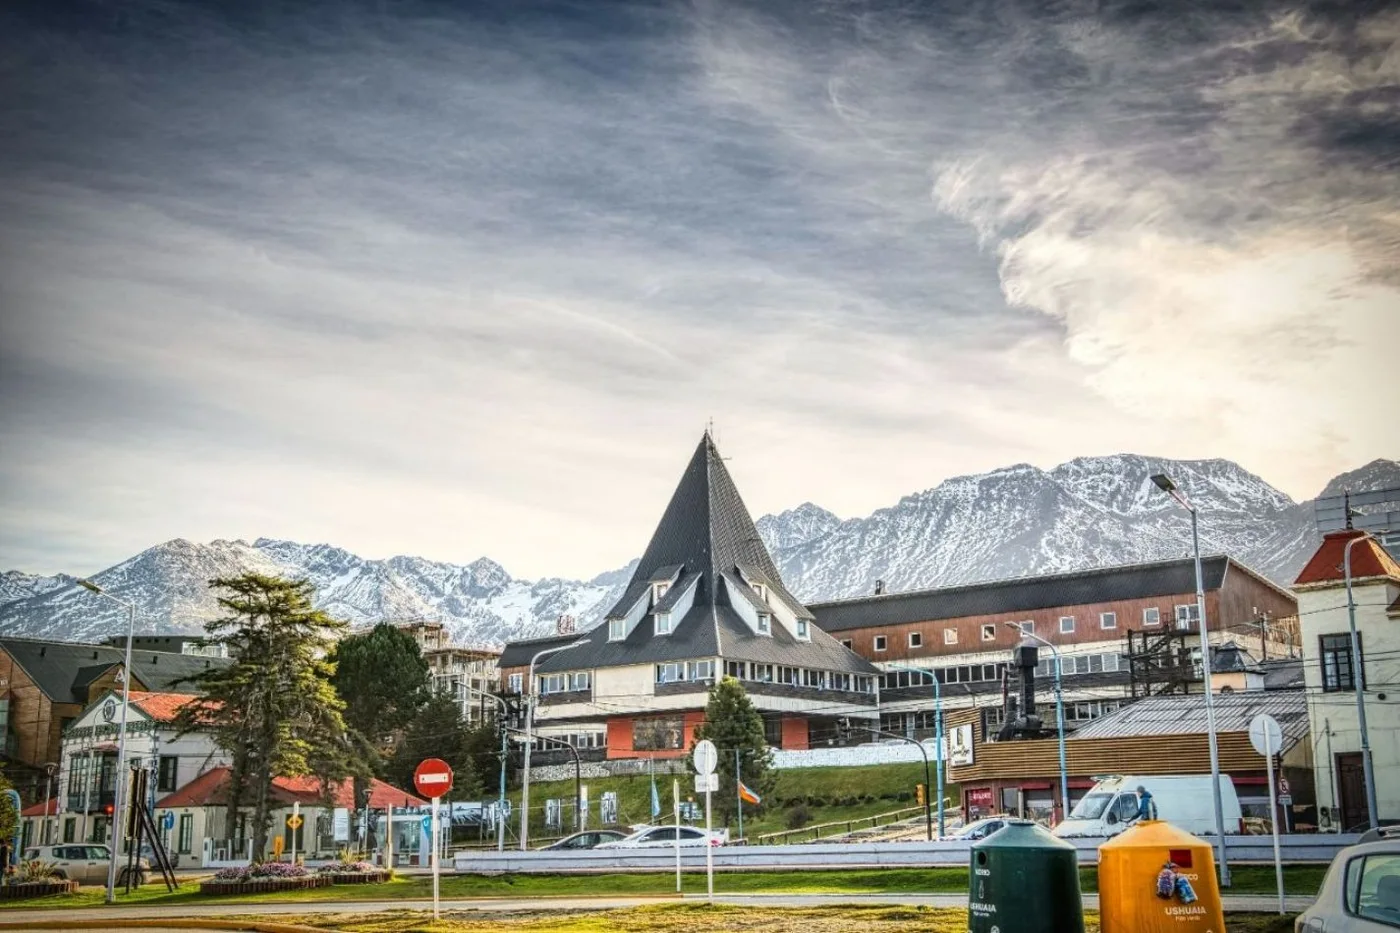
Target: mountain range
[(1019, 520)]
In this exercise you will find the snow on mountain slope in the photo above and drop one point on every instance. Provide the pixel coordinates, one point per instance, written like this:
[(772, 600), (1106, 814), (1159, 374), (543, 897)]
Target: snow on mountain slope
[(1091, 511)]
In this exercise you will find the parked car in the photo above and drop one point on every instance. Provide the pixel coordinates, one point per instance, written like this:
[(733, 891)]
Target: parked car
[(590, 839), (1185, 801), (85, 863), (980, 829), (656, 837), (1361, 892)]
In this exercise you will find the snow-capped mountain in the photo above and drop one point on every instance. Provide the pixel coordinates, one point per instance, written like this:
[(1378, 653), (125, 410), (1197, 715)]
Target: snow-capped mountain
[(1019, 520)]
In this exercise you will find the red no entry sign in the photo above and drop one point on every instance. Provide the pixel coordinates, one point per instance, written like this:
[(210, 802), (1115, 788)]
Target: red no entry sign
[(433, 778)]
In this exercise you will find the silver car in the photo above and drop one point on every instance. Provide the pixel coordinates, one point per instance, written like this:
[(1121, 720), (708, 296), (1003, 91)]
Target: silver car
[(1361, 893), (85, 863)]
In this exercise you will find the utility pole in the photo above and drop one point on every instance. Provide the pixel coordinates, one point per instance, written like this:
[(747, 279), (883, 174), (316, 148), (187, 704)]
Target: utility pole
[(1358, 682)]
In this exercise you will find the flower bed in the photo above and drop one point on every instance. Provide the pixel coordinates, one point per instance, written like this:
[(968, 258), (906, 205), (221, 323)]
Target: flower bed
[(258, 879), (355, 872), (26, 889)]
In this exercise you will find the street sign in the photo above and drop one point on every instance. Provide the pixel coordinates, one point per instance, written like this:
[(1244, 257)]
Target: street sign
[(1265, 735), (167, 820), (706, 783), (706, 757), (433, 778), (294, 822)]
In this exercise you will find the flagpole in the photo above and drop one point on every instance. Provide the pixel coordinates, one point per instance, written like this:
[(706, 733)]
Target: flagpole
[(738, 793)]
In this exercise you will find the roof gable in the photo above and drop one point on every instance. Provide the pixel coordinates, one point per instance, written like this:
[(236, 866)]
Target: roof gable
[(1368, 560)]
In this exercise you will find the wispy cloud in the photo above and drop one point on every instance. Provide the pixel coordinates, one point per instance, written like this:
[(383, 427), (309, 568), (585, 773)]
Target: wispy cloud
[(462, 280)]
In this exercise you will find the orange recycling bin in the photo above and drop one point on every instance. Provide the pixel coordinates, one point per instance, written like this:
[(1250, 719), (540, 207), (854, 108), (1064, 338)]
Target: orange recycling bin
[(1155, 877)]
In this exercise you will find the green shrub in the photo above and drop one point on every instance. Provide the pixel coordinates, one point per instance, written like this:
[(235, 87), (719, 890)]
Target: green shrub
[(798, 817)]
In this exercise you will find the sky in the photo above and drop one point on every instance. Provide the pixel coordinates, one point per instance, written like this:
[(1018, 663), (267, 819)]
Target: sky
[(459, 279)]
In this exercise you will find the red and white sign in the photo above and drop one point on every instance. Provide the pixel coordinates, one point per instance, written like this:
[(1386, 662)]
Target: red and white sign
[(433, 778)]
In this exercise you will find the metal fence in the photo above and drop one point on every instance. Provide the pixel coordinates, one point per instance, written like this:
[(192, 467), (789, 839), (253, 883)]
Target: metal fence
[(1296, 849)]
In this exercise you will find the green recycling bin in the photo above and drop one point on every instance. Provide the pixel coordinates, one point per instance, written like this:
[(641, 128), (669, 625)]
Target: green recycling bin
[(1024, 880)]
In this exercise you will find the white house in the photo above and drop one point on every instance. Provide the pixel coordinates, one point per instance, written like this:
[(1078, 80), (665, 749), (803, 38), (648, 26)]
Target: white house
[(87, 772), (1331, 675)]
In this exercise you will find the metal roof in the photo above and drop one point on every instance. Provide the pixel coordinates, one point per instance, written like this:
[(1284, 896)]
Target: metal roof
[(519, 653), (64, 669), (1023, 594), (1186, 715)]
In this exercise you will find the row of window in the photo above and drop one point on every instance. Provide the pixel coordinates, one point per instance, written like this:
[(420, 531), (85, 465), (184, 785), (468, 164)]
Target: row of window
[(675, 672), (799, 677), (1186, 616), (565, 683), (984, 673), (542, 743), (1075, 711)]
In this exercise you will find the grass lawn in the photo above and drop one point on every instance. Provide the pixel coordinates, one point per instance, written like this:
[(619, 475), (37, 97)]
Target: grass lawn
[(701, 918), (827, 794), (1249, 879)]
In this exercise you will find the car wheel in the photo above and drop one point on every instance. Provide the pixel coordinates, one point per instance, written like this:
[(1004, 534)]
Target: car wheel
[(60, 874), (137, 879)]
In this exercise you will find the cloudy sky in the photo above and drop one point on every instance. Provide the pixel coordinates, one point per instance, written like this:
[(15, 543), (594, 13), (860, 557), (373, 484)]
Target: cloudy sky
[(457, 278)]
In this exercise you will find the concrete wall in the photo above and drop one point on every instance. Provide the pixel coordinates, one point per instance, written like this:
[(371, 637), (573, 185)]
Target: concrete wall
[(1332, 716)]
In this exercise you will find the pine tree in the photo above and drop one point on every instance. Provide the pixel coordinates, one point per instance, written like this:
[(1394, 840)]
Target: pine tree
[(383, 681), (273, 709), (439, 732), (732, 723)]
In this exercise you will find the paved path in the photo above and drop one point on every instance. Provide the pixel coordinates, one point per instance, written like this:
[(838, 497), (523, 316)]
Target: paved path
[(15, 919)]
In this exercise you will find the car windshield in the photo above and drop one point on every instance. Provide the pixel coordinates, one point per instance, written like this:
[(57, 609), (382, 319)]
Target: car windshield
[(1091, 807)]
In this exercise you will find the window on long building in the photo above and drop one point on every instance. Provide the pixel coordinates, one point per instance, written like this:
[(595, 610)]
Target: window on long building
[(659, 733)]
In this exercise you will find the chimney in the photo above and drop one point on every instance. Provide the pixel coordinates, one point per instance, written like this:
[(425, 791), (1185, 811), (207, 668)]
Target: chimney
[(879, 587), (565, 625)]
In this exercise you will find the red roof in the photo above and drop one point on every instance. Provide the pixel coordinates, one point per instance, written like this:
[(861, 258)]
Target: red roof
[(211, 789), (161, 707), (37, 809), (1368, 559)]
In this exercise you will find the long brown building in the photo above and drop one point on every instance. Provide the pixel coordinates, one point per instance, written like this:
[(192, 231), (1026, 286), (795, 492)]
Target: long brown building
[(964, 634)]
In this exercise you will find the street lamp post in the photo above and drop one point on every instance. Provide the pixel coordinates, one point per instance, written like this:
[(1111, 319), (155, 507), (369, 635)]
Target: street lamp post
[(1059, 716), (1358, 683), (119, 801), (938, 733), (1165, 484), (505, 751), (529, 738), (49, 770)]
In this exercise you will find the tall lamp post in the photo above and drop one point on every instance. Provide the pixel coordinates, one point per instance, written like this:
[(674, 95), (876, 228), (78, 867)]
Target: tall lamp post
[(119, 802), (1358, 683), (1165, 484), (530, 737), (1059, 715), (505, 751), (938, 732)]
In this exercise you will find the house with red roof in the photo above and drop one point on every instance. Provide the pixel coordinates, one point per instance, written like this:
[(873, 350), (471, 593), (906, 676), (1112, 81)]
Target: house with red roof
[(1334, 673), (84, 788), (199, 813)]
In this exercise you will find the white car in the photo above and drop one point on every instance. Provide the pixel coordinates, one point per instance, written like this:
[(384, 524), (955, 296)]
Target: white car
[(980, 829), (1361, 893), (85, 863), (664, 837)]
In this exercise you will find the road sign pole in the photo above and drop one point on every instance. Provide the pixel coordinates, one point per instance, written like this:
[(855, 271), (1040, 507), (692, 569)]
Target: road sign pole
[(437, 912), (709, 849), (295, 825), (1273, 821), (676, 808)]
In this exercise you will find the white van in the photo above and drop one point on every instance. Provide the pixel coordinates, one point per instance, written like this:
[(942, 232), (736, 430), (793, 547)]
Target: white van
[(1185, 801)]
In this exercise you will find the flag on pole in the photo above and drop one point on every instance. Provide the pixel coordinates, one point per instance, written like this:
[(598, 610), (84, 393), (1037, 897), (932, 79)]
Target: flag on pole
[(655, 799), (747, 795)]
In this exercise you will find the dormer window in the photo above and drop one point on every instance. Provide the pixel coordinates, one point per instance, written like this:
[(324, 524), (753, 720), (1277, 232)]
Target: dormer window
[(617, 629), (765, 624), (659, 590), (663, 623), (760, 591), (802, 629)]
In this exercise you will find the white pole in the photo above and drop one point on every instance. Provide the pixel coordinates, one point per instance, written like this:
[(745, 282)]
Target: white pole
[(118, 804), (709, 847), (1273, 815), (389, 836), (296, 824), (676, 809), (437, 912)]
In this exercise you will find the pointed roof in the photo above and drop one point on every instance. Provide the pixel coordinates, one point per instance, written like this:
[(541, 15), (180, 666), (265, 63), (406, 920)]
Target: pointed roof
[(707, 548), (1369, 560), (705, 530)]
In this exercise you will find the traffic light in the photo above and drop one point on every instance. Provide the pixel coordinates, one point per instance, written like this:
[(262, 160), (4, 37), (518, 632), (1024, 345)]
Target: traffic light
[(108, 809), (919, 794)]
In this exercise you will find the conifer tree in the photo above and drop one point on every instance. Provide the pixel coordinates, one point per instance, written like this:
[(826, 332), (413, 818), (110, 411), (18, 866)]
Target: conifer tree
[(273, 709), (732, 723)]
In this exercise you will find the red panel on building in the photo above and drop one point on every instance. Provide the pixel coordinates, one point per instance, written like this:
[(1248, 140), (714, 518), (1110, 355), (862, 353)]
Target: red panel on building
[(620, 738), (794, 732)]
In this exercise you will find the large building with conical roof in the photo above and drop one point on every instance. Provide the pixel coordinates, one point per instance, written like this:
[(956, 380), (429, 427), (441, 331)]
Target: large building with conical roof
[(706, 601)]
